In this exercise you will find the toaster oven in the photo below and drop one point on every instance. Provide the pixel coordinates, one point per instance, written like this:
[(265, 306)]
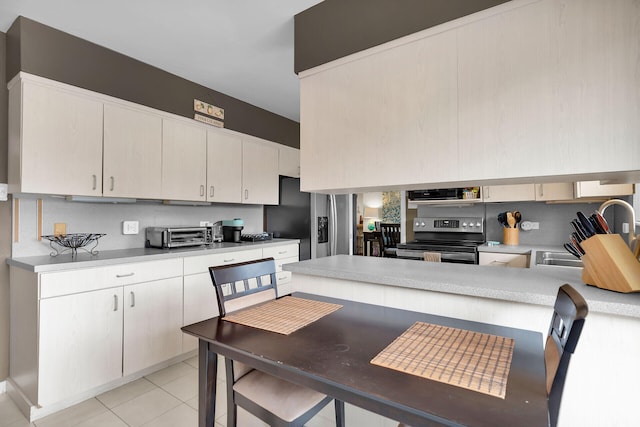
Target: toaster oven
[(178, 237)]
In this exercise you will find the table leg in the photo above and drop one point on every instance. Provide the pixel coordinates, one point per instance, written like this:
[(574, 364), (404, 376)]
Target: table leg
[(207, 377)]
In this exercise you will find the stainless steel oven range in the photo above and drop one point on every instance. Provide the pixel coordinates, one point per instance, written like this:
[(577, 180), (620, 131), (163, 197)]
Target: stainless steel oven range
[(456, 239)]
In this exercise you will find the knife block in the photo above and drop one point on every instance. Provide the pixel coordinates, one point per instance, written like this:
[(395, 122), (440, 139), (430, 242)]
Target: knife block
[(609, 264)]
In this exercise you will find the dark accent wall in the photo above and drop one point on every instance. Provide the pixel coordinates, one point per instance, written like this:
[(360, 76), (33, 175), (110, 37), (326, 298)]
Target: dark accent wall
[(44, 51), (333, 29)]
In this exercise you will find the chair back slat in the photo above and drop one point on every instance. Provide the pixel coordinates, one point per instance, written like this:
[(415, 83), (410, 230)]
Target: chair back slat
[(244, 284), (569, 313)]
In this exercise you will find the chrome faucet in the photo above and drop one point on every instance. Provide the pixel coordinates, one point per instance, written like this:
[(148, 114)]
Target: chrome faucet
[(634, 242)]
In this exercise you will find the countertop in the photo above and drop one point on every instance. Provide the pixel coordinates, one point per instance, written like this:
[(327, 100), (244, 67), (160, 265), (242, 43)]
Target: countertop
[(538, 285), (45, 263)]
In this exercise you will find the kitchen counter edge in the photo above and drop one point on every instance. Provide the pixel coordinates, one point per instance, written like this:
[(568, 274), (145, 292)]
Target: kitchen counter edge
[(537, 286), (45, 263)]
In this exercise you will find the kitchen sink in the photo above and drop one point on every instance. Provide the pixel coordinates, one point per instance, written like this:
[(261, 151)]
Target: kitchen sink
[(562, 259)]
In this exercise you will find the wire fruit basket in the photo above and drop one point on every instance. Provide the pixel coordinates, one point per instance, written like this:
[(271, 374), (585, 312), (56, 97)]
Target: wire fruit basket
[(73, 242)]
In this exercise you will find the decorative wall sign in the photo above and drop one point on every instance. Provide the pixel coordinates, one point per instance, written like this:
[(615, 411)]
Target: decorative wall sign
[(208, 113)]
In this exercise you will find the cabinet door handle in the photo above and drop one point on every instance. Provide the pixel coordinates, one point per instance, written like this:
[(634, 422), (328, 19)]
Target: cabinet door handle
[(541, 190), (211, 191), (115, 303), (119, 276), (229, 260), (246, 194), (488, 193), (133, 299), (201, 190), (282, 252), (95, 182), (113, 182)]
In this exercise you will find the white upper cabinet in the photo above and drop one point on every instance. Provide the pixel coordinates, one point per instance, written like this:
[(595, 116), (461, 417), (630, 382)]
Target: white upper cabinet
[(554, 191), (55, 141), (224, 166), (595, 189), (504, 95), (389, 118), (184, 161), (508, 193), (260, 180), (132, 153), (523, 90), (289, 161)]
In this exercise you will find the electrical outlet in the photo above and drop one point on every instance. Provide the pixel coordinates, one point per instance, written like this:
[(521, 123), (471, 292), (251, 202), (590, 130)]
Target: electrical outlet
[(4, 192), (130, 227), (59, 228), (205, 223), (625, 227)]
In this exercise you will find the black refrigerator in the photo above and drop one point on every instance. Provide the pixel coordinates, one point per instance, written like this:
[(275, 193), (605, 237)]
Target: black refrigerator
[(291, 219)]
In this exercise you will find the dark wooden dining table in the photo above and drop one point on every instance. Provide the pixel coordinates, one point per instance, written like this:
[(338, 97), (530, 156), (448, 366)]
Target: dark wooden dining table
[(332, 355)]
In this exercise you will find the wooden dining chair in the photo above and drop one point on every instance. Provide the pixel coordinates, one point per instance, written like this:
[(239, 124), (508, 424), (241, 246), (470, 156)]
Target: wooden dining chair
[(569, 312), (275, 401), (390, 238), (373, 244)]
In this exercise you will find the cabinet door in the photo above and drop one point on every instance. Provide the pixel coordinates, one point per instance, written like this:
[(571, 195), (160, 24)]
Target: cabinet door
[(58, 147), (260, 179), (504, 260), (152, 321), (132, 153), (289, 161), (224, 167), (554, 191), (184, 161), (200, 303), (595, 189), (508, 193), (505, 92), (80, 343)]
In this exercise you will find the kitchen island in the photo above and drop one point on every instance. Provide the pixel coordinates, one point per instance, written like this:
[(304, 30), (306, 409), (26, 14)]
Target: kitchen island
[(602, 379)]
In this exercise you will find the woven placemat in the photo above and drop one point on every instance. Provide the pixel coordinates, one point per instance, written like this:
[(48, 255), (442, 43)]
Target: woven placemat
[(284, 315), (466, 359)]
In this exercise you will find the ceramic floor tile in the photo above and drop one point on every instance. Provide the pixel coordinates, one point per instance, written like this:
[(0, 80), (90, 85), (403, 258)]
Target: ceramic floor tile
[(193, 361), (106, 419), (146, 407), (185, 387), (126, 392), (170, 373), (21, 423), (9, 412), (74, 415), (181, 416)]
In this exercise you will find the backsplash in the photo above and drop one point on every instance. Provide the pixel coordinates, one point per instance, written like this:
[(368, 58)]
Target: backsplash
[(554, 219), (107, 218)]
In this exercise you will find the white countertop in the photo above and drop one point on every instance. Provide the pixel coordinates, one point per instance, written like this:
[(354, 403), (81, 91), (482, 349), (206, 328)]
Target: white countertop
[(45, 263), (538, 285)]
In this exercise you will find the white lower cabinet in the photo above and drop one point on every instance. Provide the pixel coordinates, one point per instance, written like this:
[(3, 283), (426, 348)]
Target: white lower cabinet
[(152, 321), (504, 259), (80, 343)]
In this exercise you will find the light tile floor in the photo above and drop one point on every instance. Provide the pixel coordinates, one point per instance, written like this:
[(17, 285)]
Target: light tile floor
[(166, 398)]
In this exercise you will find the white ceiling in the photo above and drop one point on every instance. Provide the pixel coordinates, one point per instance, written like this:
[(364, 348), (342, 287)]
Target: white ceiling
[(243, 48)]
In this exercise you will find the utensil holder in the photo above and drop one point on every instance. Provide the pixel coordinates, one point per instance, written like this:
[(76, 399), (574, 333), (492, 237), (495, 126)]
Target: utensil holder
[(609, 264), (510, 236)]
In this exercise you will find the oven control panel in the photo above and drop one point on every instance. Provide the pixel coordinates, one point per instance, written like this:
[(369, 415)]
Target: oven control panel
[(457, 224)]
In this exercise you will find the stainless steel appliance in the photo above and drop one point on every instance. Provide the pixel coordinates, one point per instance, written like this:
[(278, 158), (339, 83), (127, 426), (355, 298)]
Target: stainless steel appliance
[(333, 224), (455, 238), (178, 237)]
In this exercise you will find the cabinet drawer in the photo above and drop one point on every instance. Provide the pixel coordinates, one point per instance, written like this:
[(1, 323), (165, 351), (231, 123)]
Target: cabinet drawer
[(90, 279), (201, 264), (280, 262), (278, 252), (504, 260), (283, 277)]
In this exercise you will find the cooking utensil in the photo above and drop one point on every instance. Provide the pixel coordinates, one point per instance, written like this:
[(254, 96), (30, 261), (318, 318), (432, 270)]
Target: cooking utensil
[(576, 244), (511, 220), (518, 216), (594, 222), (573, 251), (603, 222), (502, 219), (578, 228), (586, 224)]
